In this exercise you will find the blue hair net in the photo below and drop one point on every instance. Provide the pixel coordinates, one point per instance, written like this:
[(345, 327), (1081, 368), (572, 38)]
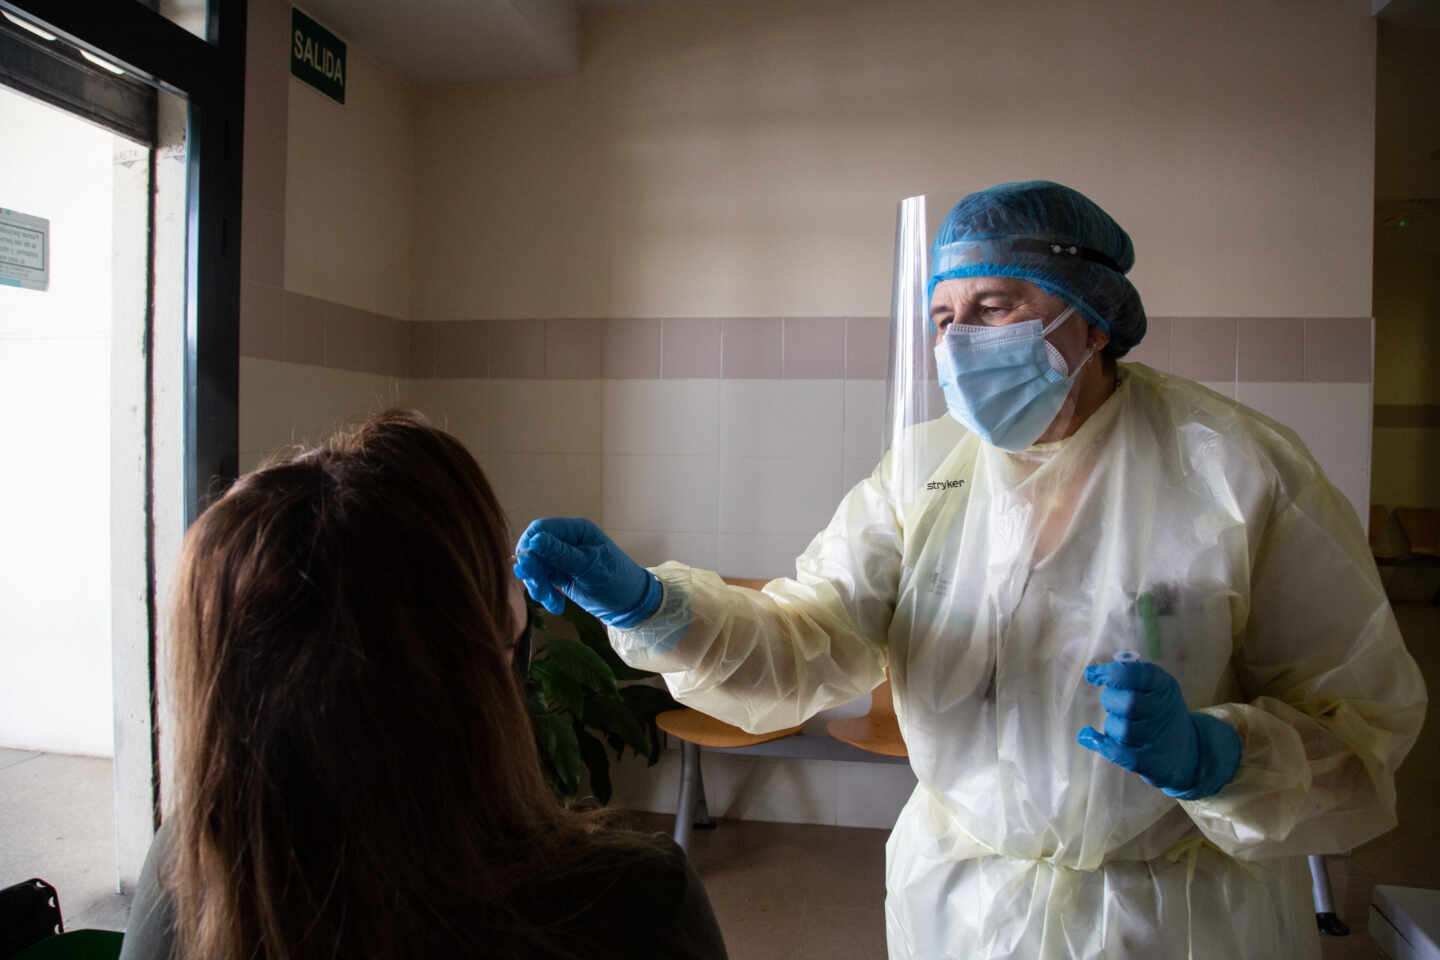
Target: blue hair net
[(1056, 238)]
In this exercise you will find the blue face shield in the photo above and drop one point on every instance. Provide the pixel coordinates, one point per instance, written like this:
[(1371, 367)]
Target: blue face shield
[(1005, 384)]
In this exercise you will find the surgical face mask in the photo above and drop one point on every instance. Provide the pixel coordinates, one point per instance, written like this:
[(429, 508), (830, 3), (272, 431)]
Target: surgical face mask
[(1006, 384)]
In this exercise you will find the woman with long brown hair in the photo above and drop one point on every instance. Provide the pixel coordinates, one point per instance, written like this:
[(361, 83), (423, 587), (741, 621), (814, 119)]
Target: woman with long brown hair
[(356, 771)]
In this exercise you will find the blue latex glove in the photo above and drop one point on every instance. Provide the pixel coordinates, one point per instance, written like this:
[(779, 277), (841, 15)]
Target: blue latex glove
[(1150, 731), (571, 555)]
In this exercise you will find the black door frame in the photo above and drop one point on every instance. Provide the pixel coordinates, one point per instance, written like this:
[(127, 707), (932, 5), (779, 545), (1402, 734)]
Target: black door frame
[(210, 75)]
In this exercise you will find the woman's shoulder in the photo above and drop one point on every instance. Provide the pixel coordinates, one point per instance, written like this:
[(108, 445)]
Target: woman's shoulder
[(623, 867), (150, 932), (634, 895)]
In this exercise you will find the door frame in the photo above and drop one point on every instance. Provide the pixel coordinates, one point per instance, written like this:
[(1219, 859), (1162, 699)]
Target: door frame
[(209, 74)]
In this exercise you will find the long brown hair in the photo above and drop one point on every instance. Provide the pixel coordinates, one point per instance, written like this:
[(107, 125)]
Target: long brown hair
[(356, 772)]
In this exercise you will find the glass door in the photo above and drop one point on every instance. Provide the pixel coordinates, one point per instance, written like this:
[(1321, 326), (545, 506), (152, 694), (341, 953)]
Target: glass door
[(119, 293)]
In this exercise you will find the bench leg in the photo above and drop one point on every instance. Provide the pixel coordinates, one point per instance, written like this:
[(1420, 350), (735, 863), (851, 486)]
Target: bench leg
[(689, 784), (1325, 916), (702, 809)]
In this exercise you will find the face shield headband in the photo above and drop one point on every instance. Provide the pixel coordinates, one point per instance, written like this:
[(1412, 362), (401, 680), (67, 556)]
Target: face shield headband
[(1060, 268)]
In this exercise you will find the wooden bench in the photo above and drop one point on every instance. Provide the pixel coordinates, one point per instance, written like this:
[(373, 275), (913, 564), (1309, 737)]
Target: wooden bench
[(1408, 537), (871, 738), (876, 732), (1422, 530)]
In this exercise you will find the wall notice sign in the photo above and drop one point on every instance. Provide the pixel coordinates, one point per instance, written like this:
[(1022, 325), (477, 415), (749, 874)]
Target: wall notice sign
[(24, 250), (317, 56)]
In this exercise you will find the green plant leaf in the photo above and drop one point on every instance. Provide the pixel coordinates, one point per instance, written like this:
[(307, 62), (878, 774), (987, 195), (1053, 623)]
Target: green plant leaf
[(577, 661), (574, 701), (592, 633), (592, 751), (615, 719), (556, 735), (557, 687)]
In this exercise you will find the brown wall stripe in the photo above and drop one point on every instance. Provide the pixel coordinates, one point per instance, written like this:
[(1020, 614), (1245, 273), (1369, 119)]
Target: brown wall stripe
[(301, 329)]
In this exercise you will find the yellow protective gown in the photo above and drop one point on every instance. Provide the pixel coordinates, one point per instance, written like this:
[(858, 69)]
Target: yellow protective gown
[(987, 597)]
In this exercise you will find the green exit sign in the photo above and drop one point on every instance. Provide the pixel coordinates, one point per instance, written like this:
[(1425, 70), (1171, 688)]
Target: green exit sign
[(317, 56)]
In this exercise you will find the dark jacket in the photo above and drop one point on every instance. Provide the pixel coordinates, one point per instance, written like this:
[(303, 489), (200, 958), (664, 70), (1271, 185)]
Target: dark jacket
[(651, 908)]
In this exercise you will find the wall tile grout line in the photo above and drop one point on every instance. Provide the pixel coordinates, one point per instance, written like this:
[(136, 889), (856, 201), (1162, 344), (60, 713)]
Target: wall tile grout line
[(1306, 361), (1323, 347), (844, 411), (720, 473), (1235, 373)]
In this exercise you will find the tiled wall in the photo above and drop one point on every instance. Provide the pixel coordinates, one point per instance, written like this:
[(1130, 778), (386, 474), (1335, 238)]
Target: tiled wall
[(688, 429), (812, 348), (725, 442), (299, 329), (661, 177), (1260, 349), (764, 788), (1313, 374), (728, 442), (292, 403)]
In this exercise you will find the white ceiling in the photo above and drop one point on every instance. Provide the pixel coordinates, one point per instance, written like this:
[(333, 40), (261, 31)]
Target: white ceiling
[(455, 42)]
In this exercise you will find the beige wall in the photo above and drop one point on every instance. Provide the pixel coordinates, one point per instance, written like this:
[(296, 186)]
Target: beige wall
[(328, 228), (1407, 269), (349, 212), (744, 159)]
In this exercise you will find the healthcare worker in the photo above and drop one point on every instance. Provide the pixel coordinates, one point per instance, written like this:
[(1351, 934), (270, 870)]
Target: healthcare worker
[(1141, 655)]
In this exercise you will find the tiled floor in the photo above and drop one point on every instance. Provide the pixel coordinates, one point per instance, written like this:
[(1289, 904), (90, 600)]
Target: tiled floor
[(786, 891), (57, 822), (779, 890)]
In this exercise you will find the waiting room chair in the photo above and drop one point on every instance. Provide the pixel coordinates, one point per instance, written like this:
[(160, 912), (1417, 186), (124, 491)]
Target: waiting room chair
[(1406, 537), (877, 731), (696, 730)]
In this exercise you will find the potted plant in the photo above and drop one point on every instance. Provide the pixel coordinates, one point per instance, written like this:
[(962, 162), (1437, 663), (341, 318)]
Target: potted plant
[(582, 698)]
